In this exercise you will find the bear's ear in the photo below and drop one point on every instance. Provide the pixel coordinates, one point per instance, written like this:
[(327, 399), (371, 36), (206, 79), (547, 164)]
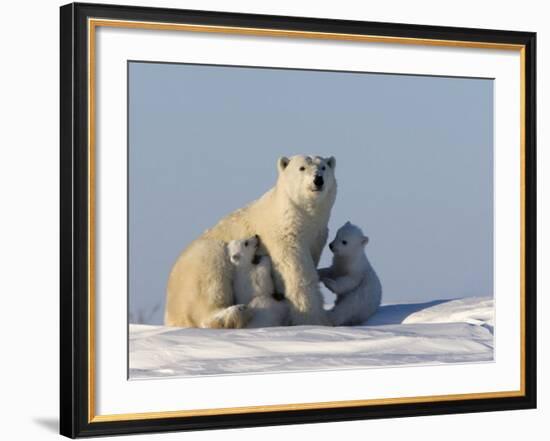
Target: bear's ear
[(282, 163), (347, 223), (331, 162), (365, 240)]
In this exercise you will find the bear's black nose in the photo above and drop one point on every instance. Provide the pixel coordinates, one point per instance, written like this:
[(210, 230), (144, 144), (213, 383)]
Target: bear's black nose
[(318, 181), (331, 246)]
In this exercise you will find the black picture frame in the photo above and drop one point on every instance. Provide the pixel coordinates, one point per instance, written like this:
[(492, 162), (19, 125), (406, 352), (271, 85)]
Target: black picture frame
[(76, 419)]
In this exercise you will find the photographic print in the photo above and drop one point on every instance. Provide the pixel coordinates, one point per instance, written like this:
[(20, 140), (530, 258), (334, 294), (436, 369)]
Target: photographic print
[(311, 219), (285, 219)]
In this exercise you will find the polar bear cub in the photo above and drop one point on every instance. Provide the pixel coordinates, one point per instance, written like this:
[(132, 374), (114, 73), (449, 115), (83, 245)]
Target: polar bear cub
[(352, 278), (253, 284)]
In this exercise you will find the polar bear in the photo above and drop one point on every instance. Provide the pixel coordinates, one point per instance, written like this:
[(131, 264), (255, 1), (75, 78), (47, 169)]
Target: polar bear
[(291, 218), (253, 284), (352, 278)]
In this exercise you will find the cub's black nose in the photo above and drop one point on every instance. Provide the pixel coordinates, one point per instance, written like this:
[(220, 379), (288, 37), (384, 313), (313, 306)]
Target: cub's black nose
[(318, 181), (331, 246)]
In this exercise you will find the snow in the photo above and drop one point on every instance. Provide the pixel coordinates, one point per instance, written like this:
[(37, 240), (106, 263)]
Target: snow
[(438, 332)]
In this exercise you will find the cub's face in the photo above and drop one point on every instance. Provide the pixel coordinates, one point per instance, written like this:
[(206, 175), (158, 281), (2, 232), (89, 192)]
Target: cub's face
[(349, 241), (307, 178), (243, 251)]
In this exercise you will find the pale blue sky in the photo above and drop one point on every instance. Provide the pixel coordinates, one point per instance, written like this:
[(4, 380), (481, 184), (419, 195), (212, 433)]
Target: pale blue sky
[(414, 167)]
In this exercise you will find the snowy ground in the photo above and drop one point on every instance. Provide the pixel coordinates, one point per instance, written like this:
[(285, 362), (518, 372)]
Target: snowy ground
[(446, 331)]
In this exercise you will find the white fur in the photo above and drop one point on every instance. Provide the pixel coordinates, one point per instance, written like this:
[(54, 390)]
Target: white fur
[(249, 279), (267, 311), (253, 284), (352, 278), (291, 219)]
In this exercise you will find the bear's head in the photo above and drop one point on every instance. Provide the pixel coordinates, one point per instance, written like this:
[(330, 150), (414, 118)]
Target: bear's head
[(307, 179), (243, 252), (349, 241)]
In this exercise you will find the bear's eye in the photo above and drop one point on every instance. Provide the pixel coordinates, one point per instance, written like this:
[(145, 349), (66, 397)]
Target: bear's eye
[(323, 168), (344, 242), (246, 243), (302, 168)]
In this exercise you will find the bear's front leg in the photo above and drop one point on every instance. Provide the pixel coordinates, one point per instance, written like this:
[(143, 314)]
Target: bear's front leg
[(297, 272), (340, 285), (318, 245), (233, 317)]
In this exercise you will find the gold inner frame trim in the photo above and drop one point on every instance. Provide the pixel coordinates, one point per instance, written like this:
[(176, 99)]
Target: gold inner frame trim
[(92, 25)]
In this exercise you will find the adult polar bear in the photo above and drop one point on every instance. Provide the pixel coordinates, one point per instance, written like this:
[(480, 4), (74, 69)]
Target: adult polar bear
[(291, 220)]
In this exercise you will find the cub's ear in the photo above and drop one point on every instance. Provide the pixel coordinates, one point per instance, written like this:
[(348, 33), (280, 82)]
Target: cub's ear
[(347, 223), (365, 240), (331, 162), (282, 163)]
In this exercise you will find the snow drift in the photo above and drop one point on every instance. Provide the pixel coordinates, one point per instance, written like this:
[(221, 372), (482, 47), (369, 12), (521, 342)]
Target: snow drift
[(438, 332)]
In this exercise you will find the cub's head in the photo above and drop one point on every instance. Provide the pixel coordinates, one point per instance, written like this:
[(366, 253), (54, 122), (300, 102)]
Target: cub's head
[(243, 252), (307, 179), (349, 241)]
